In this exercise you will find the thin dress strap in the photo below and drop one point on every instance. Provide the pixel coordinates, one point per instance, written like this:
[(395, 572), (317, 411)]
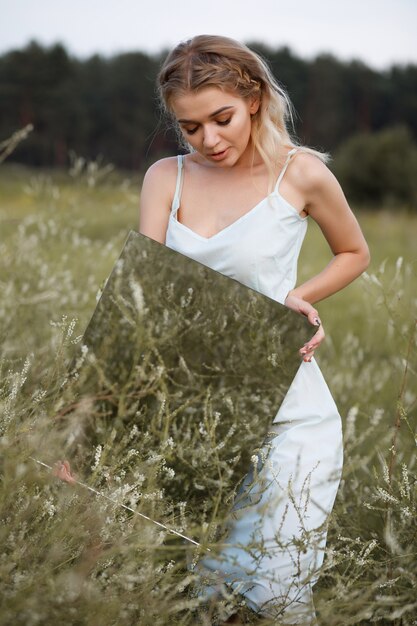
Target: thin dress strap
[(288, 159), (178, 188)]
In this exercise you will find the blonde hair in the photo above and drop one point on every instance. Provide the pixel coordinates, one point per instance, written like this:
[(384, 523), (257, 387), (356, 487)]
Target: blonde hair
[(211, 60)]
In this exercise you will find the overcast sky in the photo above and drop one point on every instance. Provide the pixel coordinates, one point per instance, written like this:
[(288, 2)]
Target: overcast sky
[(379, 32)]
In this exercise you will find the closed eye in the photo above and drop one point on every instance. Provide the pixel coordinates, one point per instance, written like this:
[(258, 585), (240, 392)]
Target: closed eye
[(191, 131), (224, 122)]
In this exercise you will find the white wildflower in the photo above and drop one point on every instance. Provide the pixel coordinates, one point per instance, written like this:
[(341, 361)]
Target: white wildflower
[(49, 508), (186, 300), (405, 511), (139, 478), (137, 293), (81, 358), (38, 395), (97, 456), (154, 495), (385, 472), (118, 267), (405, 483), (351, 423), (170, 472), (376, 417), (386, 497), (131, 453), (229, 403), (71, 327), (272, 358), (398, 264), (134, 497), (372, 544), (134, 431), (154, 457)]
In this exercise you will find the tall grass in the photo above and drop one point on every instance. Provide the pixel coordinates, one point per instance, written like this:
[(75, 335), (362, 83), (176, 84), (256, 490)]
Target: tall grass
[(69, 556)]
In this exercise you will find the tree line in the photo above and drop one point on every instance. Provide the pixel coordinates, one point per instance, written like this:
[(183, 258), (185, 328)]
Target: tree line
[(108, 106)]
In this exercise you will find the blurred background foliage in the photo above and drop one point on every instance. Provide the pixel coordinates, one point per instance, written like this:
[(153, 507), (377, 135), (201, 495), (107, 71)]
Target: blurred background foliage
[(107, 107)]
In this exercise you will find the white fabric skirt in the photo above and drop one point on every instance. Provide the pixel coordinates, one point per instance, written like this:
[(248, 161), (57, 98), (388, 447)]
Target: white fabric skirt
[(277, 535)]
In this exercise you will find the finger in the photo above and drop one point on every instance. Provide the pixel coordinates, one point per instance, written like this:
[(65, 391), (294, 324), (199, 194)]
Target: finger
[(307, 354), (318, 336), (68, 477), (313, 317), (314, 342), (62, 470), (57, 467), (67, 472), (310, 312)]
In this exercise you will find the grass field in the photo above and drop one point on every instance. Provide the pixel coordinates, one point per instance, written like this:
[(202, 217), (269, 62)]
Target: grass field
[(60, 235)]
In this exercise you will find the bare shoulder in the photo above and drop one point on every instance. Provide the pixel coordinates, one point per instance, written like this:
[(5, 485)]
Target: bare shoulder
[(310, 171), (161, 172), (156, 197), (326, 203), (316, 181)]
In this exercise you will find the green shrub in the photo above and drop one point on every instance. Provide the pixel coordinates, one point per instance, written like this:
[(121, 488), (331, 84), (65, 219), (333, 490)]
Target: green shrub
[(379, 169)]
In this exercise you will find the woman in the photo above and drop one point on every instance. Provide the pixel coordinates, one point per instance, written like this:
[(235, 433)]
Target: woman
[(227, 204)]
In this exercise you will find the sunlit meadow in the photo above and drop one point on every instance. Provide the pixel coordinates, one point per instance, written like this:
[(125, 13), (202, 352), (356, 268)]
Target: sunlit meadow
[(69, 556)]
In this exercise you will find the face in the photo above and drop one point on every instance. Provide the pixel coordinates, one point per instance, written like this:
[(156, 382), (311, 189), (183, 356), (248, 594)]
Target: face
[(217, 125)]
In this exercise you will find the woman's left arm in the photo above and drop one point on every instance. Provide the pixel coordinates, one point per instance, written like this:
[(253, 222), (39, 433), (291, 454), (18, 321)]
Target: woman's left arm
[(327, 205)]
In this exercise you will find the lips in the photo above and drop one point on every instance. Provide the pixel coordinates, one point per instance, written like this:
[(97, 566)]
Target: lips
[(219, 155)]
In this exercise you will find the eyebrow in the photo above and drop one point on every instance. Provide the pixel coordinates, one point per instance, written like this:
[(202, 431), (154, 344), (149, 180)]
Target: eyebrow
[(182, 121)]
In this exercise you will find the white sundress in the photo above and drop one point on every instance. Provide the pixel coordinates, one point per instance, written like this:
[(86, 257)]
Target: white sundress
[(304, 460)]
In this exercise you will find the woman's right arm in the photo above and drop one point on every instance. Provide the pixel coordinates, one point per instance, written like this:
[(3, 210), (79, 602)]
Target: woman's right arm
[(156, 196)]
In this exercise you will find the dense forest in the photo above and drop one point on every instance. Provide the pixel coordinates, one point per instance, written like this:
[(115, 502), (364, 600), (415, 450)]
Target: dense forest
[(108, 107)]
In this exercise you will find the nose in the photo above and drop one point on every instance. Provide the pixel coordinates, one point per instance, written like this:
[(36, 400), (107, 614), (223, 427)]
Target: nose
[(210, 136)]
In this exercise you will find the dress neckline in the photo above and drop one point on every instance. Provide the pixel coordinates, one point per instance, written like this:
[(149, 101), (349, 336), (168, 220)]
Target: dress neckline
[(176, 201), (222, 230), (251, 211)]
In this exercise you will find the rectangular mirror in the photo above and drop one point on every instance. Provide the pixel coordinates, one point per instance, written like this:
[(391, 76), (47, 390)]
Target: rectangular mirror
[(184, 370)]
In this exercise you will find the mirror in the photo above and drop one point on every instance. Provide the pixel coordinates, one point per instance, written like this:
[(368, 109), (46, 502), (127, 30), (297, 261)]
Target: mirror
[(183, 370)]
